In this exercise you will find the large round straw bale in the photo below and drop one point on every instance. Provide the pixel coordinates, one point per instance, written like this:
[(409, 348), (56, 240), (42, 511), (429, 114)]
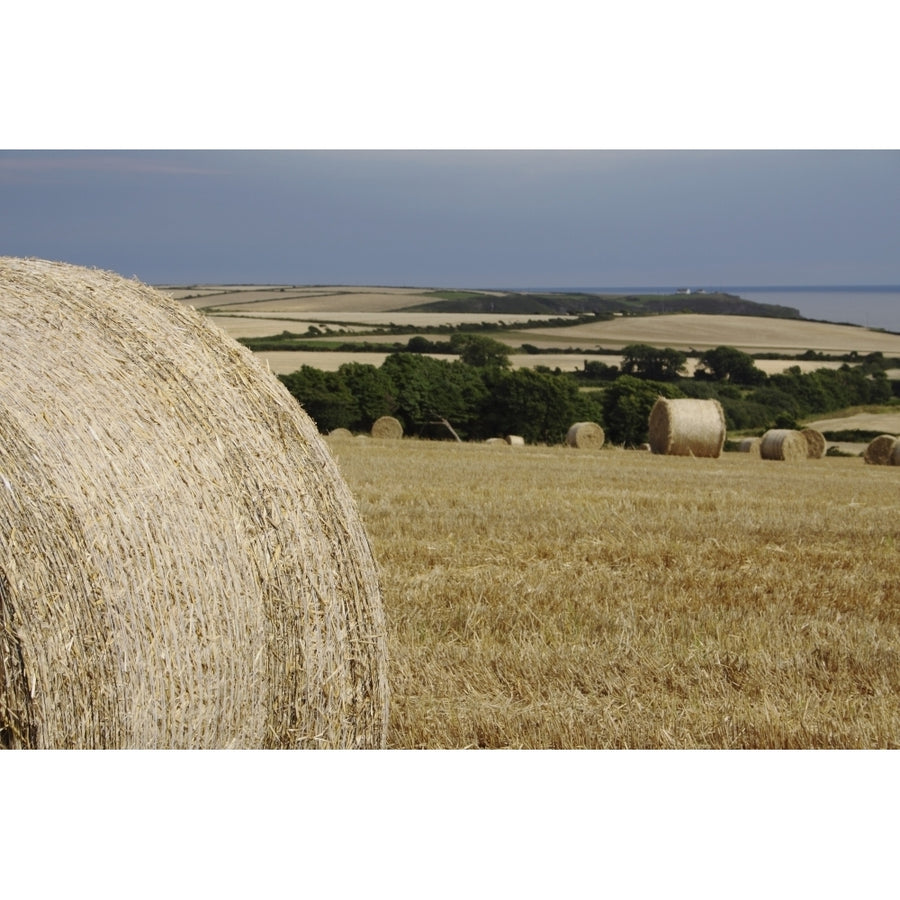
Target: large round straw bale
[(585, 436), (750, 445), (387, 427), (783, 444), (181, 563), (878, 452), (815, 443), (515, 440), (687, 427)]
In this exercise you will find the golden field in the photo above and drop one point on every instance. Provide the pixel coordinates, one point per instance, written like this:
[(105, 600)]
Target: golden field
[(545, 597)]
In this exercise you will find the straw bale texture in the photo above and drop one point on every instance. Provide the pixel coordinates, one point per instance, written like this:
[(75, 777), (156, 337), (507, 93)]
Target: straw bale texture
[(387, 427), (585, 436), (687, 427), (878, 452), (783, 444), (894, 459), (815, 443), (181, 563), (750, 445)]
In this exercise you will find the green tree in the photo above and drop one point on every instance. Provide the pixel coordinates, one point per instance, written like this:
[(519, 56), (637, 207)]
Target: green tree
[(539, 406), (480, 351), (323, 396), (729, 364), (373, 393), (657, 363)]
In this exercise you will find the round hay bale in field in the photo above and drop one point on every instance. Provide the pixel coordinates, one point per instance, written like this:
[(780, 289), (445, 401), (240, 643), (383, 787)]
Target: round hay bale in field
[(784, 444), (687, 427), (585, 436), (497, 440), (750, 445), (340, 434), (815, 443), (387, 427), (181, 563), (879, 450), (514, 440)]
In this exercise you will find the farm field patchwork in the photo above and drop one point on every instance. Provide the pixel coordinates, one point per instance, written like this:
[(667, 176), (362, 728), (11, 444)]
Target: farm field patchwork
[(546, 597)]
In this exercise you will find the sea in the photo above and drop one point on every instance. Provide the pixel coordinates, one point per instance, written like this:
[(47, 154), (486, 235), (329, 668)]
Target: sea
[(873, 306)]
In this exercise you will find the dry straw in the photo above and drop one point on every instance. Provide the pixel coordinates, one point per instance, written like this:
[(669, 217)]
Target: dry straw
[(585, 436), (750, 445), (815, 443), (879, 450), (687, 427), (784, 444), (181, 563), (340, 434), (515, 440), (387, 427), (895, 454)]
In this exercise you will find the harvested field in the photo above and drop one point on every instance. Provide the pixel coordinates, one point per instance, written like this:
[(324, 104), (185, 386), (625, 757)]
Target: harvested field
[(752, 334), (678, 603)]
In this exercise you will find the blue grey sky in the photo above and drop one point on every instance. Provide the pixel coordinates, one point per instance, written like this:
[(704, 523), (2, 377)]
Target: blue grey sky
[(461, 218)]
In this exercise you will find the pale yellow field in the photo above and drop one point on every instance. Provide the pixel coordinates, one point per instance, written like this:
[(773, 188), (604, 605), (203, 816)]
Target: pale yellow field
[(748, 333)]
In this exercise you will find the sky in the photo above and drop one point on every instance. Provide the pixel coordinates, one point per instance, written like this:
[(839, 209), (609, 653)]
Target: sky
[(461, 218)]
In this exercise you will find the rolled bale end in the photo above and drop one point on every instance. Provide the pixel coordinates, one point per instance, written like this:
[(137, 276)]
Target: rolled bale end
[(515, 440), (387, 427), (751, 446), (894, 459), (585, 436), (879, 450), (181, 564), (785, 444), (687, 427), (815, 443)]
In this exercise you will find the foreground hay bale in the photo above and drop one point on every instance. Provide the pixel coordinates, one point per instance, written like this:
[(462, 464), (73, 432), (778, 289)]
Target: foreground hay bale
[(585, 436), (750, 445), (387, 427), (181, 563), (815, 443), (783, 444), (687, 427), (879, 450)]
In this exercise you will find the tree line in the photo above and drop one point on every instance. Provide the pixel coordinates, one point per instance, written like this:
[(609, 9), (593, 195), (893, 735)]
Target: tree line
[(482, 396)]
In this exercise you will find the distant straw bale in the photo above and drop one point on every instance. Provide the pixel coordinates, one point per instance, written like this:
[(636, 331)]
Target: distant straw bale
[(387, 427), (750, 445), (585, 436), (879, 450), (340, 434), (515, 440), (181, 563), (687, 427), (784, 444), (815, 443), (497, 440)]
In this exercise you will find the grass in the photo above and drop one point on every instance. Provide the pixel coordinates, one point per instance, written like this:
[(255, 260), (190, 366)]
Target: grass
[(545, 597)]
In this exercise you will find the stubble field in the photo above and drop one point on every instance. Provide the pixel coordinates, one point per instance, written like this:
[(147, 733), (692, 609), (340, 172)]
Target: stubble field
[(545, 597)]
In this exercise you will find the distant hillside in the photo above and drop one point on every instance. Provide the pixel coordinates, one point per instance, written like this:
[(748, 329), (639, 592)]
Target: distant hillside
[(603, 305)]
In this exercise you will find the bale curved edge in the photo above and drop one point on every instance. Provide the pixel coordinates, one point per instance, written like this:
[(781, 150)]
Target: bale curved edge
[(181, 562)]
